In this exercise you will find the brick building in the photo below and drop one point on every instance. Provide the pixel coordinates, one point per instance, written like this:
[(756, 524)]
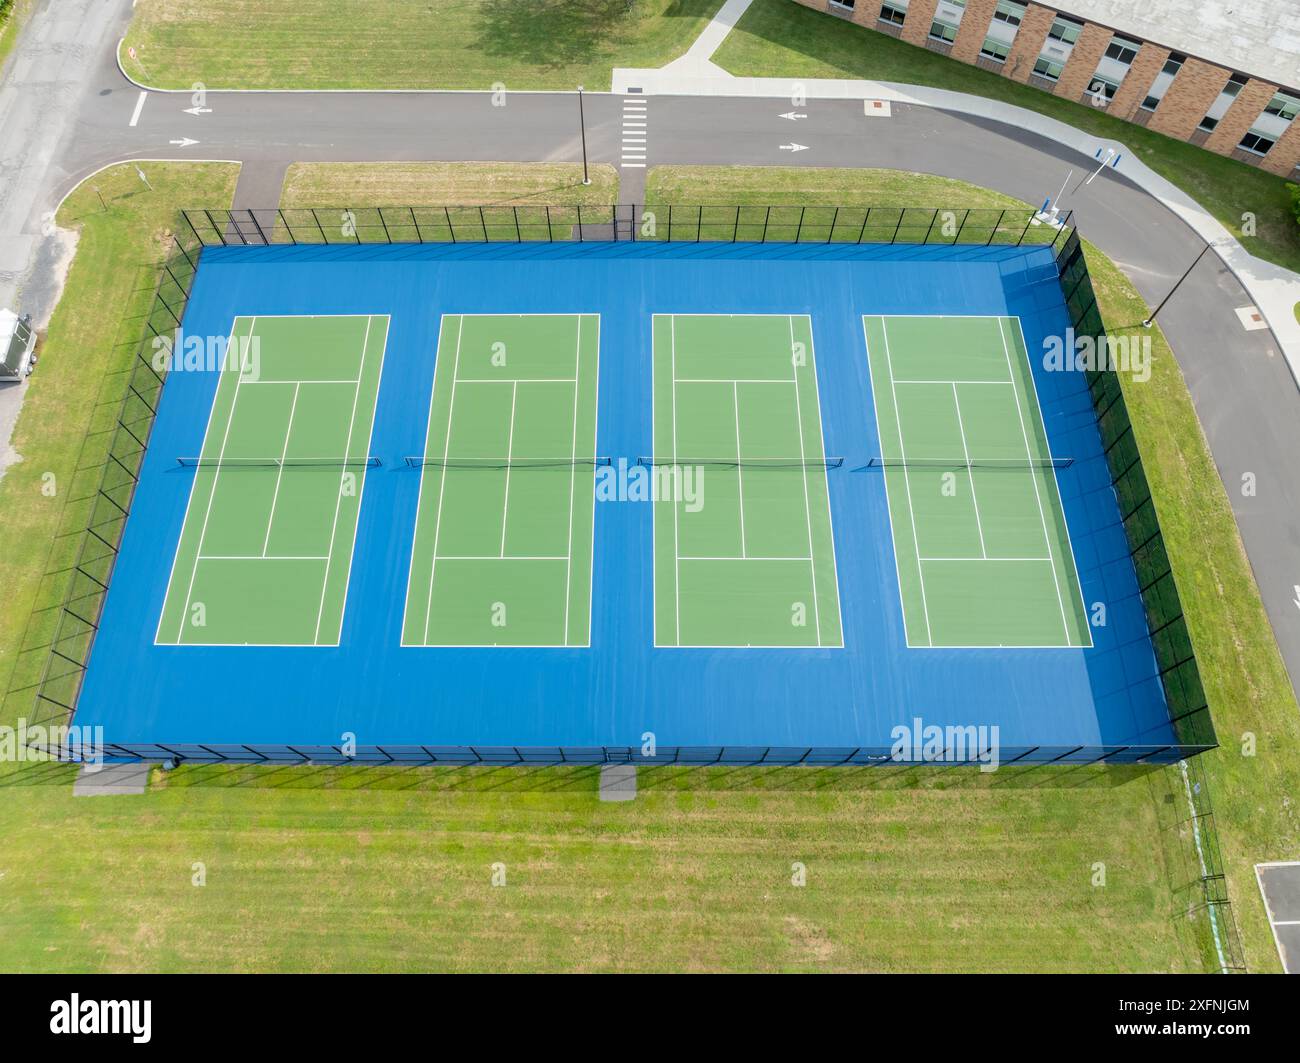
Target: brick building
[(1222, 74)]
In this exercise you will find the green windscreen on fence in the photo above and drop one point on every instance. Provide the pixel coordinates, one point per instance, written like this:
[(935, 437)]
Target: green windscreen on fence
[(1175, 657)]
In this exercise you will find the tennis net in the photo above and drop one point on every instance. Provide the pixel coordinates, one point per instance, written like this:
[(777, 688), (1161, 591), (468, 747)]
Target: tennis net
[(368, 462), (438, 461), (744, 463), (970, 463)]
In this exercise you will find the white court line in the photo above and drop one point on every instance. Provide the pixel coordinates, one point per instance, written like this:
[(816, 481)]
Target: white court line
[(1042, 423), (973, 559), (442, 481), (907, 480), (573, 478), (264, 557), (962, 382), (171, 575), (970, 473), (734, 380), (677, 533), (419, 495), (338, 500), (740, 476), (279, 475), (807, 505), (751, 557), (255, 383), (517, 380), (216, 478), (139, 106), (830, 515), (498, 557), (510, 454), (1042, 515)]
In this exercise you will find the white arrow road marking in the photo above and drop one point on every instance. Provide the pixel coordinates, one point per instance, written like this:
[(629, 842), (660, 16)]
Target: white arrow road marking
[(184, 142), (794, 147), (1296, 599), (198, 110), (793, 116), (139, 106)]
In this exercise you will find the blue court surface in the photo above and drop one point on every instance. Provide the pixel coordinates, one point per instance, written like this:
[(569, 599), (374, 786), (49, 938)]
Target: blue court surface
[(724, 313)]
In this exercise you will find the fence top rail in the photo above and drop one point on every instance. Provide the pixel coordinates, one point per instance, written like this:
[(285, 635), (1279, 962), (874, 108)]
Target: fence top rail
[(862, 223), (928, 208)]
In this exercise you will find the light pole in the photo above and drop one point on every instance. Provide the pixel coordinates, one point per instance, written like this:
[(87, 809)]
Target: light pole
[(582, 125), (1177, 284)]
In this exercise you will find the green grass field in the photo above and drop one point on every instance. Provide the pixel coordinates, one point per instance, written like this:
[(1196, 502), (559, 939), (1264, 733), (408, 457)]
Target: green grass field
[(266, 548), (390, 869), (974, 504), (779, 38), (314, 184), (413, 44), (504, 526), (747, 557)]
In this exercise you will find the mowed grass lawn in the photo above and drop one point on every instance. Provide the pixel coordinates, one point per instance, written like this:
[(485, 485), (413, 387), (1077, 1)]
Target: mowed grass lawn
[(1247, 683), (384, 869), (401, 878), (406, 44), (382, 184), (779, 38)]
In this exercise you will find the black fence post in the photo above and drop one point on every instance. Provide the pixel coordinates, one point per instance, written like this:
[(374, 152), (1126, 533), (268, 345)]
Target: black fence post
[(996, 226), (252, 216)]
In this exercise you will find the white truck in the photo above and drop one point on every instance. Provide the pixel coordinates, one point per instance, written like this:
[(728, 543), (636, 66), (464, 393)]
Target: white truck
[(17, 342)]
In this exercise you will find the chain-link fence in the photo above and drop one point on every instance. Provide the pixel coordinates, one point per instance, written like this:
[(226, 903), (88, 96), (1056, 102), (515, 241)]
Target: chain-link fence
[(643, 222)]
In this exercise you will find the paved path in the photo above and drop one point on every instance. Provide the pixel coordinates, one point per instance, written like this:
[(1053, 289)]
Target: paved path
[(1247, 399)]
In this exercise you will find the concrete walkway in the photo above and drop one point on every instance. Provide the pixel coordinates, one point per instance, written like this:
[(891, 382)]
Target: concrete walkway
[(1274, 289)]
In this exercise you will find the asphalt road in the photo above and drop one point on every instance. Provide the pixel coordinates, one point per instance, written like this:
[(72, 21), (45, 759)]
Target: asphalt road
[(1248, 402)]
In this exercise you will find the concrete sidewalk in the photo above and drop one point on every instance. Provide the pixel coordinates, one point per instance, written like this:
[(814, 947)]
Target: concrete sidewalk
[(1274, 289)]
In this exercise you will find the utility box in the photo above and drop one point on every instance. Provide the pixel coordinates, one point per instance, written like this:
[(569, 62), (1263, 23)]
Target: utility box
[(17, 340)]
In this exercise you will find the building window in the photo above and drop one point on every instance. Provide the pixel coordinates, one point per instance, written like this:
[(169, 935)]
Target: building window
[(1284, 106), (846, 4), (893, 14), (1257, 143), (1065, 30), (1122, 50), (1046, 68), (1102, 89), (941, 31), (1009, 11), (995, 49), (1163, 80), (1221, 104)]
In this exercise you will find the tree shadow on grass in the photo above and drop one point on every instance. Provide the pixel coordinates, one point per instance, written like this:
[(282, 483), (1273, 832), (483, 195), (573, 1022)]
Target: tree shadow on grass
[(553, 34)]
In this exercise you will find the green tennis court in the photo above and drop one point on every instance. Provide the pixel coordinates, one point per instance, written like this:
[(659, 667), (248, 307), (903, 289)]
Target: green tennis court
[(266, 545), (983, 553), (502, 552), (744, 552)]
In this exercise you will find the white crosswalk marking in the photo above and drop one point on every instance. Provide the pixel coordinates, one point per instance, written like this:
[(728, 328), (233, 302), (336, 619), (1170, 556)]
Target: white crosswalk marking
[(635, 133)]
